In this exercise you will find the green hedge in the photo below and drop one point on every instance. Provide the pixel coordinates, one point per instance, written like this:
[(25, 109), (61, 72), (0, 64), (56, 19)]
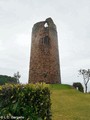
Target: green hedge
[(29, 101)]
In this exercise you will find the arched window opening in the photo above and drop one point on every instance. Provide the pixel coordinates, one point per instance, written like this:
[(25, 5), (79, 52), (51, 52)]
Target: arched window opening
[(45, 25)]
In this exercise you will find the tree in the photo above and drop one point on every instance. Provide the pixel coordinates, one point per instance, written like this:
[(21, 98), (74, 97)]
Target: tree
[(7, 79), (86, 77), (17, 76)]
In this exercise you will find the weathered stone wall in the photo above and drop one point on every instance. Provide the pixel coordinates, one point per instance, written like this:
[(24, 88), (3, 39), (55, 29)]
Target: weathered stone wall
[(44, 60)]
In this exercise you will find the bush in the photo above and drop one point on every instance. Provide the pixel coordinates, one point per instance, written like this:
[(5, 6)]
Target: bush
[(78, 86), (30, 101)]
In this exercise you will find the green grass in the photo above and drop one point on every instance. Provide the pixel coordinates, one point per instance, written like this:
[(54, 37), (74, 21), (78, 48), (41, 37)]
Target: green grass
[(68, 103)]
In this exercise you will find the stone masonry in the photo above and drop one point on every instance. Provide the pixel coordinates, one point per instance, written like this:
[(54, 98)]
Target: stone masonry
[(44, 59)]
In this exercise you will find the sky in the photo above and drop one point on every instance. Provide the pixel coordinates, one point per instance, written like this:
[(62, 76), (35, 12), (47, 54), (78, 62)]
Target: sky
[(72, 18)]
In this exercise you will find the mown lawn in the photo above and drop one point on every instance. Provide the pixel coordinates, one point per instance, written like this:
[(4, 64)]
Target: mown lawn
[(69, 104)]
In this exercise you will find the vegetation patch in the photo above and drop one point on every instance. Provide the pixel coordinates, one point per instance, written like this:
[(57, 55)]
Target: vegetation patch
[(78, 86), (29, 101), (7, 79)]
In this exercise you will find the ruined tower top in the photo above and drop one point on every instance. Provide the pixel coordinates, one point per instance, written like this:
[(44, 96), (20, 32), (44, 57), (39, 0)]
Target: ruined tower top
[(44, 60), (47, 23)]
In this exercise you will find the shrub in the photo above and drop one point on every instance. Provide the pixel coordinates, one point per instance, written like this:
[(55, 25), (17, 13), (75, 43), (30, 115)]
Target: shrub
[(78, 86), (30, 101)]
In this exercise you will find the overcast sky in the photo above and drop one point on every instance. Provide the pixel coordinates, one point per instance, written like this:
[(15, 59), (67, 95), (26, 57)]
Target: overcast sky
[(72, 18)]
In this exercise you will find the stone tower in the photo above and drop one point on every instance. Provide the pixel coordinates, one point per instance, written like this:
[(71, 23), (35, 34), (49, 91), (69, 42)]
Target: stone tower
[(44, 60)]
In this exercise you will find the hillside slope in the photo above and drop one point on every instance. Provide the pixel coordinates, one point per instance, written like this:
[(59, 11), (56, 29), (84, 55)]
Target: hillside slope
[(69, 104)]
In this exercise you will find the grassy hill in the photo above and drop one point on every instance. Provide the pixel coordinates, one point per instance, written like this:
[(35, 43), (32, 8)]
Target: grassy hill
[(69, 104)]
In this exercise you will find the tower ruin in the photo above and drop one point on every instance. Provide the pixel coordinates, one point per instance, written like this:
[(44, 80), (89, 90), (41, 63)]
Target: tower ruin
[(44, 59)]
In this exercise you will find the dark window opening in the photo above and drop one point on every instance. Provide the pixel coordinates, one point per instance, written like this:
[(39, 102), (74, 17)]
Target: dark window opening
[(46, 40)]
